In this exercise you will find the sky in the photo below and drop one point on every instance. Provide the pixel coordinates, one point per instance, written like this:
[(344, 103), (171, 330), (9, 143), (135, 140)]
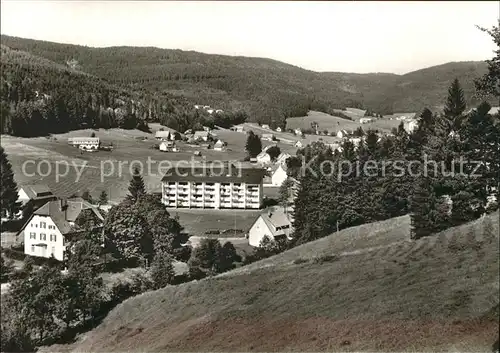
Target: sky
[(352, 36)]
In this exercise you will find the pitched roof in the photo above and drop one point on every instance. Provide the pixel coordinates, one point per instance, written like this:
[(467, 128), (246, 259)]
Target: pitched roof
[(201, 134), (275, 217), (219, 143), (162, 134), (61, 215), (37, 191)]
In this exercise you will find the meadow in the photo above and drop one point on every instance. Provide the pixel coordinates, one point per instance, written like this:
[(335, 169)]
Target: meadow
[(366, 288), (334, 124)]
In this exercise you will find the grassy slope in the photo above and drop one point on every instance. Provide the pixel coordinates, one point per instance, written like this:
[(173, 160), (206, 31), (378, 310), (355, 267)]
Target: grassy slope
[(384, 293), (258, 85)]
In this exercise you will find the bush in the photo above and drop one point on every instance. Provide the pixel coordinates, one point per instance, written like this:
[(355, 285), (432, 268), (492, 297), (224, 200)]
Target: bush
[(299, 261), (325, 258)]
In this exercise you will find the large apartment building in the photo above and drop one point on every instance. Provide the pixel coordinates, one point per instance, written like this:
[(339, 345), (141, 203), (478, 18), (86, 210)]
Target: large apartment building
[(213, 186)]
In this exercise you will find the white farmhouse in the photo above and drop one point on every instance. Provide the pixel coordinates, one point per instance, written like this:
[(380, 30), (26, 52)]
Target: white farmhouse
[(166, 145), (342, 133), (219, 145), (274, 223), (87, 143), (51, 227), (298, 144), (265, 126), (282, 158), (163, 135), (278, 129), (365, 120), (410, 126), (263, 158), (278, 175), (201, 135), (298, 132), (267, 137)]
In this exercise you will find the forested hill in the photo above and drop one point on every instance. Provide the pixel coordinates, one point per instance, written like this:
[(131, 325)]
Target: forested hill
[(266, 89)]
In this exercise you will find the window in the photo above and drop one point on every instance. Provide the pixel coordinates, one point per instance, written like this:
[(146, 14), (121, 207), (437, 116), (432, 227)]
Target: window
[(43, 225), (43, 236), (32, 236), (32, 248), (50, 227), (64, 241), (53, 237)]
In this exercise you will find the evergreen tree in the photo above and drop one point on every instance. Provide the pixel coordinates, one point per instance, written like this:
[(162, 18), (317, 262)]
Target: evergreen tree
[(8, 187), (489, 84), (162, 270), (253, 145), (136, 188), (103, 198), (423, 209), (454, 107)]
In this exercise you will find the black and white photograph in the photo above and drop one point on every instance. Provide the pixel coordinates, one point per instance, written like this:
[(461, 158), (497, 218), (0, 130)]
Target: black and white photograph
[(249, 176)]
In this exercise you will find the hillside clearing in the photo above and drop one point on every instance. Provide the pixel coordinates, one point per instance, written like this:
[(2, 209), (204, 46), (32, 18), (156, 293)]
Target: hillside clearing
[(437, 293)]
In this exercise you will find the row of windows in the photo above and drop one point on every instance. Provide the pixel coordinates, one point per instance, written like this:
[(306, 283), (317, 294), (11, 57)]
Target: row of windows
[(53, 250), (43, 225), (43, 236)]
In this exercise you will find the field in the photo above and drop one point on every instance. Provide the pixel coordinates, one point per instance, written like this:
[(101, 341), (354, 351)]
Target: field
[(363, 289), (196, 222), (333, 123)]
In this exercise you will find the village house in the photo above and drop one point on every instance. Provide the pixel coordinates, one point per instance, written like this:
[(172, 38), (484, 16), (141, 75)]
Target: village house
[(87, 143), (267, 137), (210, 111), (218, 111), (365, 120), (263, 158), (281, 159), (36, 194), (299, 144), (163, 135), (219, 145), (165, 146), (275, 224), (278, 174), (196, 106), (298, 132), (201, 135), (342, 133), (53, 226), (278, 129), (206, 128), (410, 126), (238, 128), (265, 126)]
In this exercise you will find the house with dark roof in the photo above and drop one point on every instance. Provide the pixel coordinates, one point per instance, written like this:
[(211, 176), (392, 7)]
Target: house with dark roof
[(213, 185), (201, 135), (53, 226), (275, 223), (36, 195)]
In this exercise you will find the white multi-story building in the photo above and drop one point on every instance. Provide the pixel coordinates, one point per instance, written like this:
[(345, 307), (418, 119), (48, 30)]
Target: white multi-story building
[(85, 142), (51, 227), (213, 186)]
